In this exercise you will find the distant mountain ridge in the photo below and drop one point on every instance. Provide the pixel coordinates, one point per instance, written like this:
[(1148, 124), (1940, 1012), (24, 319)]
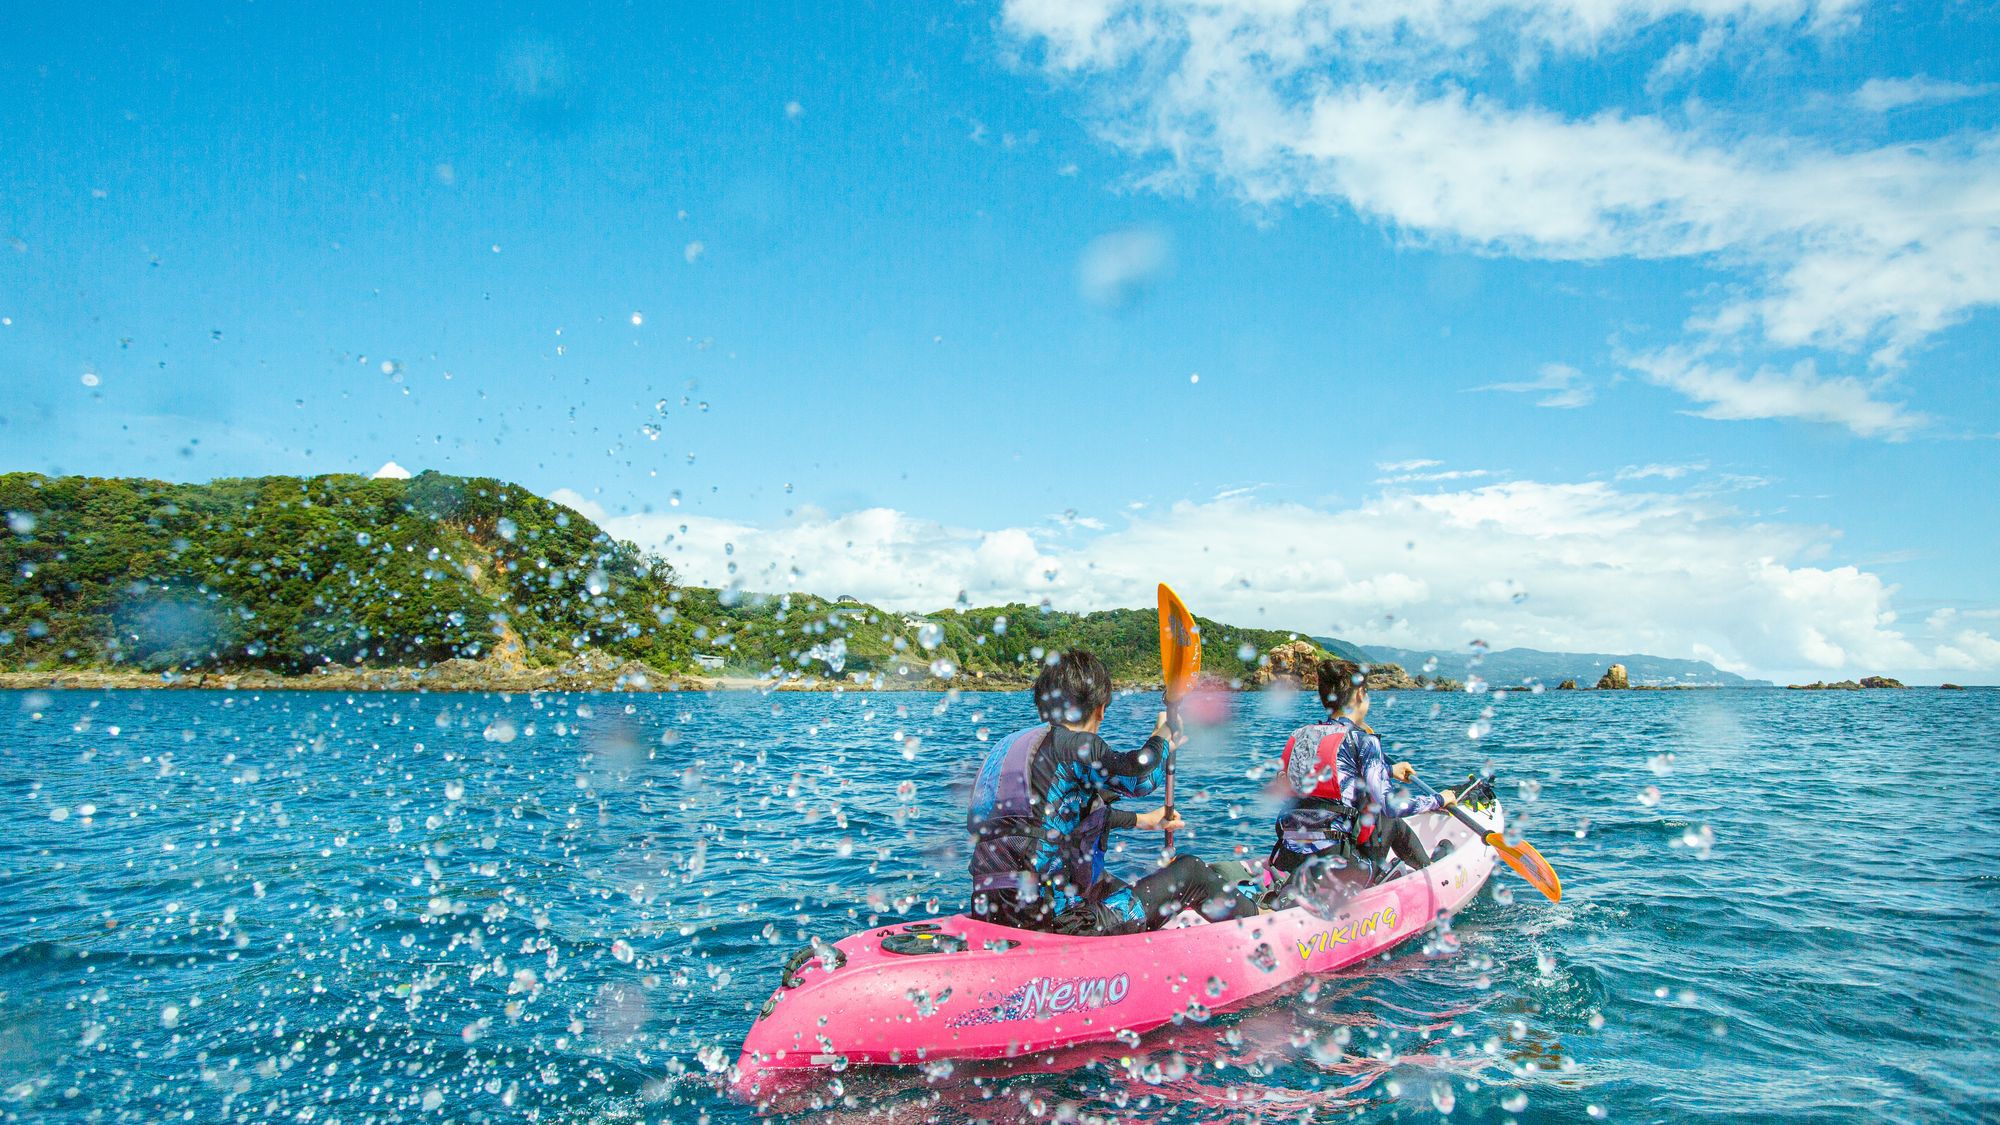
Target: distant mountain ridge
[(1521, 665)]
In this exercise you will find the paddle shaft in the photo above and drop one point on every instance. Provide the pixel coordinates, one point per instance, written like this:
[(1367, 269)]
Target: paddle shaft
[(1173, 726), (1450, 806)]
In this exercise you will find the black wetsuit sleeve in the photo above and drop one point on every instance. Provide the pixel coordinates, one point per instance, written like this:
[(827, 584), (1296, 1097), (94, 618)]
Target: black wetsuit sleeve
[(1131, 773), (1116, 817)]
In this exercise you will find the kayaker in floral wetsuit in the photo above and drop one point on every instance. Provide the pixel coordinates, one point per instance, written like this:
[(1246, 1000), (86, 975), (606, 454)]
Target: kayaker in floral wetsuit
[(1339, 783), (1043, 805)]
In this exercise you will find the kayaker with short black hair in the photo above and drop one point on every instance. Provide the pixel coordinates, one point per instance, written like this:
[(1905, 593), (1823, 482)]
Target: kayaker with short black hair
[(1043, 804), (1339, 779)]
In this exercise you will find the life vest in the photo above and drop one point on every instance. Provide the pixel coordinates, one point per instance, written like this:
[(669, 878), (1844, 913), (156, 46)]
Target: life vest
[(1311, 757), (1322, 818), (1008, 823)]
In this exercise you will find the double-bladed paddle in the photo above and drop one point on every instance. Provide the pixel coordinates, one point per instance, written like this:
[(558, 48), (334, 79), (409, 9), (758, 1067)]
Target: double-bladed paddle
[(1522, 857), (1180, 659)]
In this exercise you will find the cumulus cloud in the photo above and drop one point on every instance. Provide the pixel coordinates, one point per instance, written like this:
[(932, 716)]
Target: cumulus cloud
[(1836, 246), (1567, 566)]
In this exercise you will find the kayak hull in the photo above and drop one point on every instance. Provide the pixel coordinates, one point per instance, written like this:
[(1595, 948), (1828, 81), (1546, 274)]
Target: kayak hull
[(1010, 992)]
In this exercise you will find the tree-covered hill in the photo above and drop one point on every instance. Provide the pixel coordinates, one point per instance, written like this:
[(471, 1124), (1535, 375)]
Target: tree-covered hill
[(290, 575), (993, 645)]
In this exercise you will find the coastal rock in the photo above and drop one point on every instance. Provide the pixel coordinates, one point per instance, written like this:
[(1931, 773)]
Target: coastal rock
[(1880, 682), (1950, 687), (1296, 660), (1566, 685), (1390, 677), (1614, 679), (1822, 685)]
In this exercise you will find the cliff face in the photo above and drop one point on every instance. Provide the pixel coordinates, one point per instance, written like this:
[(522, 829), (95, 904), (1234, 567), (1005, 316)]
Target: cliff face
[(1298, 662)]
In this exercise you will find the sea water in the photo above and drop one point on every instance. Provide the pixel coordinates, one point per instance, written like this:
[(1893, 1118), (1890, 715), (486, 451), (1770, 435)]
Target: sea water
[(324, 907)]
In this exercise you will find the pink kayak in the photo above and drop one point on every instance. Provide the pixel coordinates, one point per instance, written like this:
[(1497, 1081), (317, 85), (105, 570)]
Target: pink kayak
[(961, 988)]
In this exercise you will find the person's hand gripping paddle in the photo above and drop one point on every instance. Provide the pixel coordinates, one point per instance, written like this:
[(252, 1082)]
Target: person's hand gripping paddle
[(1522, 857), (1180, 660)]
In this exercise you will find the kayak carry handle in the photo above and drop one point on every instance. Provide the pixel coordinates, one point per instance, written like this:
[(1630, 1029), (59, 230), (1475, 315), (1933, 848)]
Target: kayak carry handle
[(792, 975)]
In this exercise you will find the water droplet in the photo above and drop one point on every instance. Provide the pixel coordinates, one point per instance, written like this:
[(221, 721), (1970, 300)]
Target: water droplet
[(363, 538), (454, 790), (90, 379), (1649, 796), (930, 634), (21, 523), (907, 790), (597, 583), (1246, 652), (507, 528), (637, 320), (621, 950)]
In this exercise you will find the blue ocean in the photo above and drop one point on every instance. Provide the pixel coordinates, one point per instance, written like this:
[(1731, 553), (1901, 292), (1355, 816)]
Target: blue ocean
[(320, 907)]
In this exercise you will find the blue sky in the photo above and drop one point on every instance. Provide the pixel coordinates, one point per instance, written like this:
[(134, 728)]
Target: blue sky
[(1598, 326)]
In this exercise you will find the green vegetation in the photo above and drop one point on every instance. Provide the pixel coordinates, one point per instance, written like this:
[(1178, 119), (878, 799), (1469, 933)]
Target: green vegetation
[(992, 646), (289, 574)]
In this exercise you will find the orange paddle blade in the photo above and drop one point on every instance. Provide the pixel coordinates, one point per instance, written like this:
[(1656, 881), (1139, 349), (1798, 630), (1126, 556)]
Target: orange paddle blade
[(1180, 645), (1528, 864)]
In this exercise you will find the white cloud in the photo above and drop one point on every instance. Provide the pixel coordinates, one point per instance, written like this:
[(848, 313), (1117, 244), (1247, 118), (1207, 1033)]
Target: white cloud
[(1440, 475), (1664, 472), (576, 502), (1584, 566), (391, 471), (1798, 393), (1559, 384), (1833, 246), (1407, 466), (1880, 95)]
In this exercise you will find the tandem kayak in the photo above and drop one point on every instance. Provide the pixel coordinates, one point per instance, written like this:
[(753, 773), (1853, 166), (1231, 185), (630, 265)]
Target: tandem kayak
[(962, 988)]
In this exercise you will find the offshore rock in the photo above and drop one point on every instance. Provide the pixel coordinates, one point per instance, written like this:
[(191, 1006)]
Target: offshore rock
[(1614, 679), (1390, 677), (1566, 685), (1880, 682)]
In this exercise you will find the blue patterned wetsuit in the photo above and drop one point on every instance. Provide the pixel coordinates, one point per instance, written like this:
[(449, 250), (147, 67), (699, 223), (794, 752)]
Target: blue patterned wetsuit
[(1040, 810)]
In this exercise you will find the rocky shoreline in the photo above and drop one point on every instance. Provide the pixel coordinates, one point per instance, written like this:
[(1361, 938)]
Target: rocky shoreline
[(1294, 665)]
